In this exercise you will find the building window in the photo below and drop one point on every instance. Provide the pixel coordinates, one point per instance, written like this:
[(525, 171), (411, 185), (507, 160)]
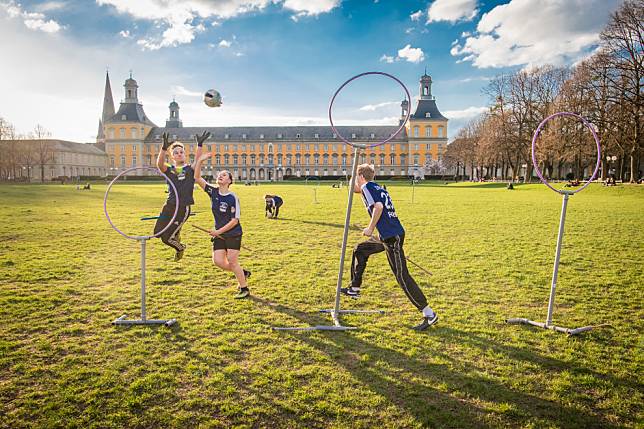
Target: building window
[(415, 159), (316, 159), (110, 133), (382, 159), (298, 135), (335, 136), (226, 147), (226, 159), (307, 159), (235, 159), (134, 161), (111, 161), (217, 159), (226, 136), (134, 133), (344, 159), (244, 158), (316, 147), (244, 136), (123, 118), (133, 148), (372, 135), (289, 159), (297, 147), (392, 159), (122, 133), (428, 131), (316, 135), (279, 135), (353, 135), (416, 130), (261, 136), (428, 115), (298, 159), (142, 132), (416, 146), (441, 131)]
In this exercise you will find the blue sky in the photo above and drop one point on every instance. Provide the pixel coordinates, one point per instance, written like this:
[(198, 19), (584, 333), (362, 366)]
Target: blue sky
[(276, 62)]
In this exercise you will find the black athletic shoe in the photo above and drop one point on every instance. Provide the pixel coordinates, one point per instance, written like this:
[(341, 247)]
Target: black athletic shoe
[(247, 274), (178, 255), (426, 323), (350, 292), (242, 293)]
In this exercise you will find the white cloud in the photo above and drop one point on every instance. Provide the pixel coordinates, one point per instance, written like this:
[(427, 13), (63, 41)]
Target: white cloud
[(224, 43), (50, 5), (309, 7), (180, 90), (178, 16), (416, 15), (374, 107), (470, 112), (518, 33), (125, 34), (387, 59), (413, 55), (452, 10), (32, 20)]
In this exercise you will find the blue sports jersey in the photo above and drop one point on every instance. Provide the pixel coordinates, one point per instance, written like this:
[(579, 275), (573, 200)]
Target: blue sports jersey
[(224, 208), (388, 225), (277, 200)]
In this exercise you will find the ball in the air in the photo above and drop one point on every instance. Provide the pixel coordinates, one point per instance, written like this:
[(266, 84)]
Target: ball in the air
[(212, 98)]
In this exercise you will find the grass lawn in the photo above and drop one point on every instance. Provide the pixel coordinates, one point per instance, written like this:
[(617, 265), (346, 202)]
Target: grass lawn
[(65, 275)]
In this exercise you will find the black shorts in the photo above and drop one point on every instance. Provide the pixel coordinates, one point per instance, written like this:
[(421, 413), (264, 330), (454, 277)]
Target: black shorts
[(226, 243)]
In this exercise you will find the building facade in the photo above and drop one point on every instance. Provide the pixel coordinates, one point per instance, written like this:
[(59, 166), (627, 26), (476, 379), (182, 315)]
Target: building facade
[(50, 159), (131, 139)]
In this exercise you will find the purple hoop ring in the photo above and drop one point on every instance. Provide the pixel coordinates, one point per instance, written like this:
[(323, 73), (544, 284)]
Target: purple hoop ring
[(534, 157), (335, 130), (141, 237)]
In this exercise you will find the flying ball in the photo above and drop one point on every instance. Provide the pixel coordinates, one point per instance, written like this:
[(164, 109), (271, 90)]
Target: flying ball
[(212, 98)]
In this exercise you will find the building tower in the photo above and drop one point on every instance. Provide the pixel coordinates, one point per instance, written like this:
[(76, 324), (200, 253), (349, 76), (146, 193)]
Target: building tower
[(126, 131), (427, 132), (173, 121), (108, 111)]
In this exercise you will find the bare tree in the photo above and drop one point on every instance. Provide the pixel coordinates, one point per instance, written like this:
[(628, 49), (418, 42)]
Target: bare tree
[(623, 41), (44, 149)]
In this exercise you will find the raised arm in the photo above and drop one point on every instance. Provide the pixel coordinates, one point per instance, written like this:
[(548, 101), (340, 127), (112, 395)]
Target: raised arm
[(198, 179), (199, 139), (162, 153)]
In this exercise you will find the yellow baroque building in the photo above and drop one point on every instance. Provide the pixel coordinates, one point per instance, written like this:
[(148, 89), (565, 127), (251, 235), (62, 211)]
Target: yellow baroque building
[(131, 139)]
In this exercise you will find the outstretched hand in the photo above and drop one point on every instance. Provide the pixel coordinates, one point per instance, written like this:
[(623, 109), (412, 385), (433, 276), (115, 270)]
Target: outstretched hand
[(166, 141), (205, 156), (202, 138)]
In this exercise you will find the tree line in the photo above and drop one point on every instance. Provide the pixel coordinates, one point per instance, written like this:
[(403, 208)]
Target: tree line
[(23, 154), (605, 89)]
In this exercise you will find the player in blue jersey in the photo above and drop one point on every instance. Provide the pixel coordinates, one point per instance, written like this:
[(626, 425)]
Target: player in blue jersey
[(183, 178), (227, 235), (392, 236), (273, 204)]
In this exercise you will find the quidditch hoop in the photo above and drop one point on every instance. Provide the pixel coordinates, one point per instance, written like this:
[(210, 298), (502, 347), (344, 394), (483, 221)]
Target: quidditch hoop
[(534, 156), (141, 237), (402, 125)]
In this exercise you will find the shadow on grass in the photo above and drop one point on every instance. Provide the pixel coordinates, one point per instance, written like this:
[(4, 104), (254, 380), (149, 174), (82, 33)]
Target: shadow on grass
[(313, 222), (409, 383)]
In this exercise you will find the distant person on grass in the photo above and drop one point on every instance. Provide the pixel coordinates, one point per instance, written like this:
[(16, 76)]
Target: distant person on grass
[(392, 237), (227, 235), (183, 178), (273, 204)]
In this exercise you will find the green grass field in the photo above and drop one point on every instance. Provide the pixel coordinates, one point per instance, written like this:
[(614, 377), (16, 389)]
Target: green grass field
[(65, 275)]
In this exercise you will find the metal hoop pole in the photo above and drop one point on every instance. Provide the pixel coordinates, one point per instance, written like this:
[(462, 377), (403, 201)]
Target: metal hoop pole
[(566, 195), (143, 242), (345, 235), (553, 286)]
